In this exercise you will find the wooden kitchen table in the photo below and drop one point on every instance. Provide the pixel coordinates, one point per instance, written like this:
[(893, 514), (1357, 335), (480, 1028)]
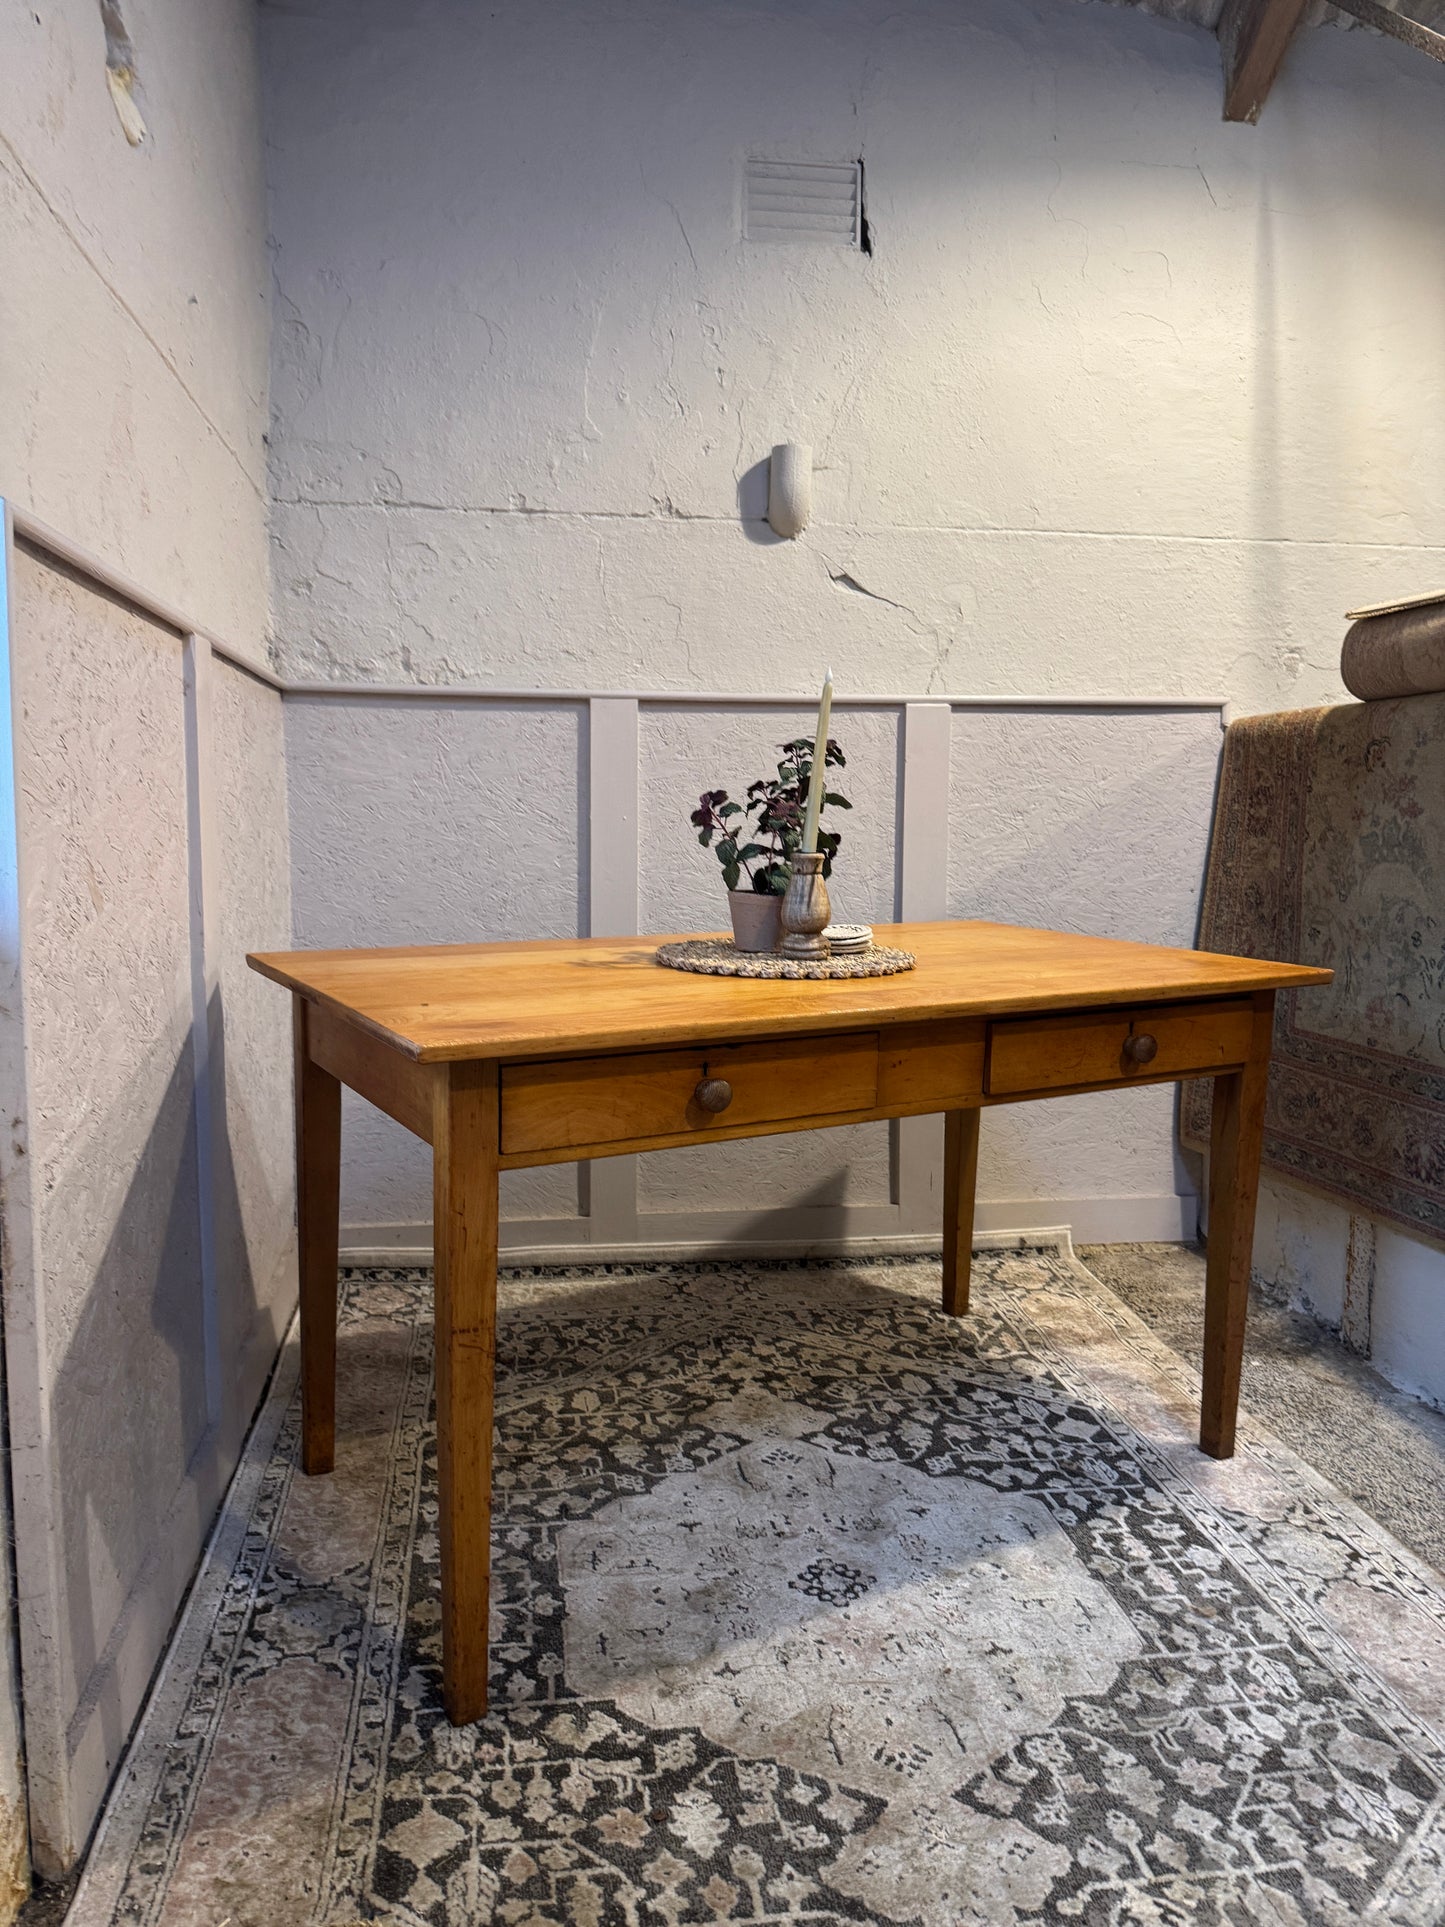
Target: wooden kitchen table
[(504, 1055)]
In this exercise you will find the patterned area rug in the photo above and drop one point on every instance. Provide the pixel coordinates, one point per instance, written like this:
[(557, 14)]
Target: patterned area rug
[(1329, 848), (813, 1605)]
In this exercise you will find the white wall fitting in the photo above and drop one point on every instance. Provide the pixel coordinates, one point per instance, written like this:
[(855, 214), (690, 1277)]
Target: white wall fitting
[(790, 488)]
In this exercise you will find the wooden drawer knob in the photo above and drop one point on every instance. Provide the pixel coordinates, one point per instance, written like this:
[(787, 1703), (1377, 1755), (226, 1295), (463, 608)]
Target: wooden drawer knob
[(714, 1093), (1141, 1048)]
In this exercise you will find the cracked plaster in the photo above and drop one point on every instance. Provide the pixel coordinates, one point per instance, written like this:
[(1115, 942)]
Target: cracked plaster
[(1083, 422)]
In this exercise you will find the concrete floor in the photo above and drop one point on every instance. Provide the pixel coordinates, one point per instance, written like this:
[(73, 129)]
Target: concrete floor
[(1386, 1450), (1383, 1448)]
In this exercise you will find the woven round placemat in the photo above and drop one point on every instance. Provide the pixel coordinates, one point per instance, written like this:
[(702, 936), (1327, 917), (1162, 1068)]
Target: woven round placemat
[(717, 957)]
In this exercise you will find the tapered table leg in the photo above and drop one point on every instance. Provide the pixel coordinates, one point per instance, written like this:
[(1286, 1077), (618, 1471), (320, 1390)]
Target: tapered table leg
[(465, 1126), (960, 1181), (1236, 1140), (318, 1206)]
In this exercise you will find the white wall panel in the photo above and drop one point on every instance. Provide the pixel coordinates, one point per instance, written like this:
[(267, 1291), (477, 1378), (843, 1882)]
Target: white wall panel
[(147, 1172), (683, 751), (111, 1389), (1089, 822), (433, 821), (1028, 816)]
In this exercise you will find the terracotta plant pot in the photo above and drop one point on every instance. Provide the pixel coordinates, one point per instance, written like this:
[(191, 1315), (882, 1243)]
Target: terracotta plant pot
[(755, 920)]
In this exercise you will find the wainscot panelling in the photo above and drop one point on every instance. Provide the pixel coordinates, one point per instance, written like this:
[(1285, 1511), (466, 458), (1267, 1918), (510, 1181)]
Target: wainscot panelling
[(252, 1193), (1094, 822), (435, 821), (794, 1185), (1092, 817), (149, 1209)]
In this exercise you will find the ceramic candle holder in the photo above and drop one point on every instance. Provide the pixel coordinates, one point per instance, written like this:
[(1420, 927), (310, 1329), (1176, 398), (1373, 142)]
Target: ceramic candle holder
[(805, 913)]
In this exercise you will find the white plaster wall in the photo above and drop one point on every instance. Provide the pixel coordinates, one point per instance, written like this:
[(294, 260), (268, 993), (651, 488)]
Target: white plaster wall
[(432, 822), (133, 305), (1407, 1333), (133, 409), (149, 1264), (117, 1376), (1301, 1246), (1115, 406), (1302, 1251)]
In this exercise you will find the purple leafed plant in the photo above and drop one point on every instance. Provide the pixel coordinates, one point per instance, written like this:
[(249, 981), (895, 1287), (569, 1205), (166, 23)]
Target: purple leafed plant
[(757, 840)]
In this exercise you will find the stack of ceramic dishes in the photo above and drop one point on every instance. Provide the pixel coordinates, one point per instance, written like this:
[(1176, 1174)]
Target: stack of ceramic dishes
[(848, 939)]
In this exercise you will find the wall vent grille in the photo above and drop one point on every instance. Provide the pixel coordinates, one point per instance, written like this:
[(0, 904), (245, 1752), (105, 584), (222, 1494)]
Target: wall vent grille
[(805, 203)]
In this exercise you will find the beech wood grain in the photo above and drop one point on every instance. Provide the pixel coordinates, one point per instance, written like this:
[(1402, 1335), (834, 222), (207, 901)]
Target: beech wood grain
[(1042, 1053), (318, 1210), (598, 1100), (960, 1182), (1236, 1140), (384, 1076), (465, 1219), (564, 995)]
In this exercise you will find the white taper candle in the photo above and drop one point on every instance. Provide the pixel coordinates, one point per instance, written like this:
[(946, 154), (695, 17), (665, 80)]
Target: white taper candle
[(820, 757)]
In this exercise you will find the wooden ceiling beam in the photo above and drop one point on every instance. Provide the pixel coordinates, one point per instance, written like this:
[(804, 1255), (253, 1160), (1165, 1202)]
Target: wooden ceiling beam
[(1370, 13), (1253, 35)]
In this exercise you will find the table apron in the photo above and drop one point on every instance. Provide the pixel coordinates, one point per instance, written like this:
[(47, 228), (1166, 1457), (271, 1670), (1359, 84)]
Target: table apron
[(923, 1069), (385, 1077)]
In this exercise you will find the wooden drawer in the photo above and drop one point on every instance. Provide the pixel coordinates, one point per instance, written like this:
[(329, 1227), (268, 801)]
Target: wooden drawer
[(1111, 1047), (612, 1100)]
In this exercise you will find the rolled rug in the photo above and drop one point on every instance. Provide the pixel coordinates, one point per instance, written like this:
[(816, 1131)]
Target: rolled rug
[(1397, 649)]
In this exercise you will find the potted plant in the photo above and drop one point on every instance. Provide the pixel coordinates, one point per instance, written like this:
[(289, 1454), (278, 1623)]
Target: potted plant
[(755, 841)]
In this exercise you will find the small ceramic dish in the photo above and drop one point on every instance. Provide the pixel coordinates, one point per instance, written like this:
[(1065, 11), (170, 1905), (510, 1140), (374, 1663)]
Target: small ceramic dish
[(843, 938)]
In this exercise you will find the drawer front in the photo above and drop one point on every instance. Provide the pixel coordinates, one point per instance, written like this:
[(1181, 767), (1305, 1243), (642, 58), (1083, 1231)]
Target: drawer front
[(1113, 1047), (612, 1100)]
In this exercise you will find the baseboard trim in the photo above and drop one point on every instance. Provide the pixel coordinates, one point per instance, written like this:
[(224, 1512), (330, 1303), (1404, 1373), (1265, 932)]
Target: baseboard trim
[(1032, 1238), (679, 1235)]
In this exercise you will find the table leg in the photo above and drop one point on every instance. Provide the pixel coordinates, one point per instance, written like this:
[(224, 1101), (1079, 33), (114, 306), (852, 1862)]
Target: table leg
[(1236, 1140), (318, 1208), (960, 1180), (465, 1126)]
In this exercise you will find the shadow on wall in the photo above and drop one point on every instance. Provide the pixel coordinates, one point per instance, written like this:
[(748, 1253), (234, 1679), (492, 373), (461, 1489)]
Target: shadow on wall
[(790, 1225), (753, 505), (144, 1436)]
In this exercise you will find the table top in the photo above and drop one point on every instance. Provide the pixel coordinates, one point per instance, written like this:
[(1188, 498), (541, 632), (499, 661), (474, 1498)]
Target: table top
[(560, 996)]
